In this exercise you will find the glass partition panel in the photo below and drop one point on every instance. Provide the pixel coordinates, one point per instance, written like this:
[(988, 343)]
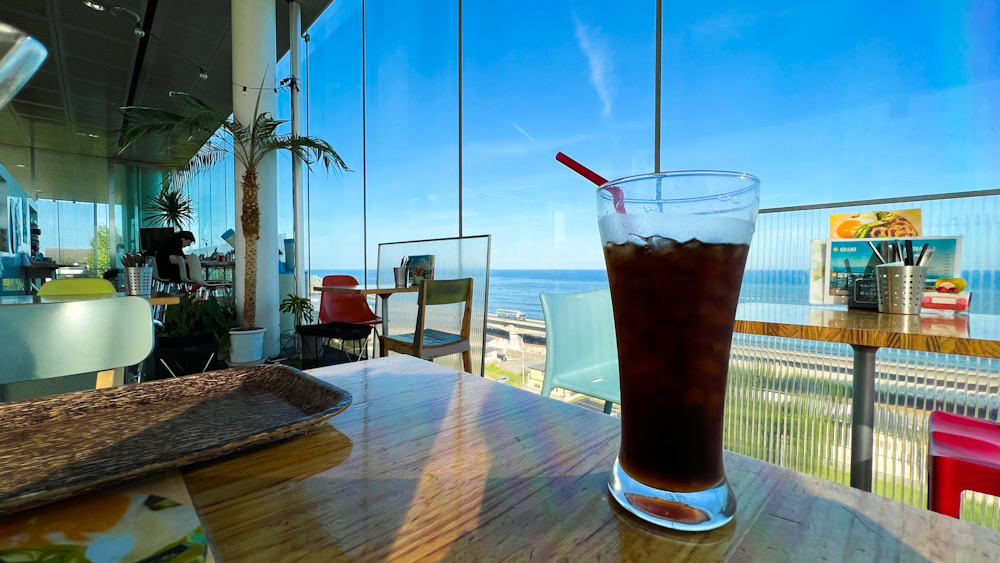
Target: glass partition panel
[(452, 258)]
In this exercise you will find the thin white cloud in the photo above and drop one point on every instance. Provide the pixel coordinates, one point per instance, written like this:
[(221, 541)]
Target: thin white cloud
[(525, 133), (598, 54), (729, 24)]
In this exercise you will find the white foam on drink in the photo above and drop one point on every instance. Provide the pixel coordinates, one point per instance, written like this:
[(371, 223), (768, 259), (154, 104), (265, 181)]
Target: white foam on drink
[(713, 229)]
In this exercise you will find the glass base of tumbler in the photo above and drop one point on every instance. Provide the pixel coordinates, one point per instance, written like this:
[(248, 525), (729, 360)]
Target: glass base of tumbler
[(695, 512)]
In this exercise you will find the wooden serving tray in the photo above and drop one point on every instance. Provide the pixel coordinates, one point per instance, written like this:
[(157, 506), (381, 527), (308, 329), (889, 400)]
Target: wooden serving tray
[(55, 447)]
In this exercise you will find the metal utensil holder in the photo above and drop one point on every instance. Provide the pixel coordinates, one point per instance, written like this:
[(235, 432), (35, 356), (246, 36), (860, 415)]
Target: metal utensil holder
[(138, 280), (900, 288)]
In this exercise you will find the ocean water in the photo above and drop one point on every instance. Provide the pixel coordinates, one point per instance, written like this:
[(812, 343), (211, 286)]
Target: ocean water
[(519, 289)]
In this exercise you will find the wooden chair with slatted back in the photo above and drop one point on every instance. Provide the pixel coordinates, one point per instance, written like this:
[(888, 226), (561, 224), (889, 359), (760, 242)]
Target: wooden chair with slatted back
[(428, 343)]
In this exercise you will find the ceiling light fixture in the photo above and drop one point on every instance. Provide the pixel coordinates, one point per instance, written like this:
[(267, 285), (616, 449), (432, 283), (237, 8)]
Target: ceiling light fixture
[(139, 31), (202, 74), (93, 5), (20, 166)]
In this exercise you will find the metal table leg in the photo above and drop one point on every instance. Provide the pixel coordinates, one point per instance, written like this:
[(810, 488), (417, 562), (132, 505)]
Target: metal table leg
[(863, 417), (385, 323)]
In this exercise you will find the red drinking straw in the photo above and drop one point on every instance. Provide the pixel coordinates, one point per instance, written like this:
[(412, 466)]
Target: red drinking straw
[(617, 196)]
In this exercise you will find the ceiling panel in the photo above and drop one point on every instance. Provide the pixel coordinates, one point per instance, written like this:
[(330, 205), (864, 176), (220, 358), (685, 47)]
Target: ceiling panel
[(12, 133), (89, 73), (38, 27), (113, 52), (44, 80), (112, 93), (94, 105), (41, 96), (37, 111)]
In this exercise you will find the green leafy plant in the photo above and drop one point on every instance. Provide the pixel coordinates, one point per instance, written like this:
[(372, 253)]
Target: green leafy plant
[(300, 307), (101, 257), (170, 208), (201, 316), (247, 143)]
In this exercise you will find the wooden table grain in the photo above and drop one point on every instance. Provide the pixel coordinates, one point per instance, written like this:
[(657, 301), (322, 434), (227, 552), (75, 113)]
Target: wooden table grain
[(932, 331), (432, 464)]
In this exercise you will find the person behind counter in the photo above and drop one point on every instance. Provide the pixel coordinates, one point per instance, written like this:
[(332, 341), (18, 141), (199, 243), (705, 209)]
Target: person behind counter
[(169, 252)]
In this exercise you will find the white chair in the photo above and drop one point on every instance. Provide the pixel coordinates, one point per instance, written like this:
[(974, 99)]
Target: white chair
[(188, 284), (65, 343), (160, 283), (197, 276)]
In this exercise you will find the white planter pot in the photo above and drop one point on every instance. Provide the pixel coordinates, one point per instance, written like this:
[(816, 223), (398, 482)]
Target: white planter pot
[(246, 346)]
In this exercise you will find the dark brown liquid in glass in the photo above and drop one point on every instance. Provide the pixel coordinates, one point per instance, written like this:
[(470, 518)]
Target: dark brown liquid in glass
[(674, 305)]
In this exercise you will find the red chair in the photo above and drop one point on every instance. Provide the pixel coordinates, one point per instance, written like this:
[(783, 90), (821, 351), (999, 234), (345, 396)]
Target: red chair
[(964, 455), (343, 307), (343, 316)]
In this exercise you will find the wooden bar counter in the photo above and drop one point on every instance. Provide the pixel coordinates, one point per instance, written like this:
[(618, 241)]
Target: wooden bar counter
[(432, 464)]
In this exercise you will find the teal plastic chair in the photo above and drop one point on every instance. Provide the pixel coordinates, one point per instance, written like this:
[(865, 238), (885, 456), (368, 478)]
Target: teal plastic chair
[(65, 343), (581, 351)]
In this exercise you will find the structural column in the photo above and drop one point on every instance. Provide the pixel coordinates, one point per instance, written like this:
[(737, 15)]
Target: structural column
[(298, 167), (253, 67)]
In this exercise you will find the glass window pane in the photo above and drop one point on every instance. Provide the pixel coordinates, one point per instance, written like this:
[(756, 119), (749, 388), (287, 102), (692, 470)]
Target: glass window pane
[(575, 77), (334, 114), (412, 121), (834, 101)]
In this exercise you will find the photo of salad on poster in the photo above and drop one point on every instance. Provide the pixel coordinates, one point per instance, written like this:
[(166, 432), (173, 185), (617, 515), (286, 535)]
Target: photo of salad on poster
[(901, 223)]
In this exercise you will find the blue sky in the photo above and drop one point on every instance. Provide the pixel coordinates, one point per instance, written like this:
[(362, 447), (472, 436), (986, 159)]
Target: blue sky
[(823, 102)]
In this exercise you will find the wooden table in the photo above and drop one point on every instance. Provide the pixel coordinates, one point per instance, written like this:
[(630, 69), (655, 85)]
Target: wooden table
[(383, 291), (866, 332), (428, 463), (39, 271), (156, 298)]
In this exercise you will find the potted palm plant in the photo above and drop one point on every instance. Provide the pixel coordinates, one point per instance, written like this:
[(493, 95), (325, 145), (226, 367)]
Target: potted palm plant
[(248, 144)]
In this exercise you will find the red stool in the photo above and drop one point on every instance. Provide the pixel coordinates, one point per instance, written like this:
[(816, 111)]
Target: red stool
[(964, 455)]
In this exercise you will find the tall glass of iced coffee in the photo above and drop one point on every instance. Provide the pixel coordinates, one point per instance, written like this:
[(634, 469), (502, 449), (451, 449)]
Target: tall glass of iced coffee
[(675, 244)]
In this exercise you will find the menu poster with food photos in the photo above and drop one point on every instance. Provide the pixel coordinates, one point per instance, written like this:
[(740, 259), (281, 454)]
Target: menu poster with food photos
[(901, 223), (420, 268), (850, 258)]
